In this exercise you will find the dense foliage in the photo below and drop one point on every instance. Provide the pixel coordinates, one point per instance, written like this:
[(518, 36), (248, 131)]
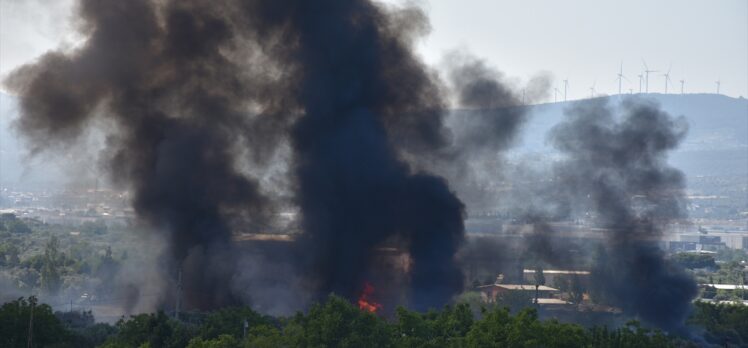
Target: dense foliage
[(337, 323), (693, 260), (725, 324)]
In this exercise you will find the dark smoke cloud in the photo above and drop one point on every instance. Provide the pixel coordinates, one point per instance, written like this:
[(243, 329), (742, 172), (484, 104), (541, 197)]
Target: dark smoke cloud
[(489, 116), (365, 98), (190, 86), (616, 167), (493, 109), (178, 101)]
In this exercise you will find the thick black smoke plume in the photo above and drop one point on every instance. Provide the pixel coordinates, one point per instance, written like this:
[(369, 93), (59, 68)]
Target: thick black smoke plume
[(364, 98), (617, 169), (191, 85), (179, 106)]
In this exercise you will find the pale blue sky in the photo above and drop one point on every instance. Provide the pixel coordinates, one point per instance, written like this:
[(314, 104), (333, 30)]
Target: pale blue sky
[(584, 40)]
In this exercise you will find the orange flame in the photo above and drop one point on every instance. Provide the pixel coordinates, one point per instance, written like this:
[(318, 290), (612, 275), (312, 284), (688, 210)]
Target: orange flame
[(365, 303)]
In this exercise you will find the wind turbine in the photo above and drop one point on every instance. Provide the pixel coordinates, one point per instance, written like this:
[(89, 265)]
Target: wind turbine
[(592, 89), (555, 94), (640, 82), (718, 82), (682, 82), (566, 86), (646, 76), (667, 77), (620, 78)]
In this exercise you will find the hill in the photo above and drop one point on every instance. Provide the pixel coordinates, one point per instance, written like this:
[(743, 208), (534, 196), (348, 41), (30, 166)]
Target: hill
[(716, 145)]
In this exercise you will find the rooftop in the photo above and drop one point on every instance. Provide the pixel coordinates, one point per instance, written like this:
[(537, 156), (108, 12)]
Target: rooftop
[(559, 271), (725, 286), (524, 287)]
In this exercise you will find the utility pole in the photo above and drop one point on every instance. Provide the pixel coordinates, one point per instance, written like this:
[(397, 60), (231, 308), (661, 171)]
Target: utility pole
[(32, 300), (245, 326), (179, 294)]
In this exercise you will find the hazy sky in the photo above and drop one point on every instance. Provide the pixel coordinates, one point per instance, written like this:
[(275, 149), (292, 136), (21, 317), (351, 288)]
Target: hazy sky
[(582, 40)]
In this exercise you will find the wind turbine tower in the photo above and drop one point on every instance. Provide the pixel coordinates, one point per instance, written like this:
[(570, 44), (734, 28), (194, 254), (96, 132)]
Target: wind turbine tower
[(718, 82), (640, 82), (555, 94), (682, 82), (592, 89), (646, 76), (566, 87), (667, 77), (620, 78)]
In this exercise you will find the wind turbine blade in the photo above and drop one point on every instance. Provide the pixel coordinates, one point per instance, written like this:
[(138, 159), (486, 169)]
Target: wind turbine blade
[(645, 64)]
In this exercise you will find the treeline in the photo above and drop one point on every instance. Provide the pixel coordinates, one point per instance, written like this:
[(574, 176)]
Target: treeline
[(337, 323)]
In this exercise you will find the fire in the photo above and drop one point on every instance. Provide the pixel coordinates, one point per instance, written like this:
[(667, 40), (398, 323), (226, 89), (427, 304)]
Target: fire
[(365, 303)]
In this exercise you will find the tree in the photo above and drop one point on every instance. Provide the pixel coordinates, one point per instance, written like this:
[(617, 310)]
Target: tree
[(16, 319), (231, 321), (337, 323), (692, 261), (14, 224), (726, 325), (447, 327), (222, 341), (154, 330), (51, 279)]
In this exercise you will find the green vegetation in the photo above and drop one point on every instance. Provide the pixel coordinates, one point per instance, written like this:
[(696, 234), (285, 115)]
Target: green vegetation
[(63, 261), (338, 323), (693, 260), (726, 325), (71, 260)]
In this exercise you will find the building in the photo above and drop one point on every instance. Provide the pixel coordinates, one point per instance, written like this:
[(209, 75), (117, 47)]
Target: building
[(554, 276), (491, 292)]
